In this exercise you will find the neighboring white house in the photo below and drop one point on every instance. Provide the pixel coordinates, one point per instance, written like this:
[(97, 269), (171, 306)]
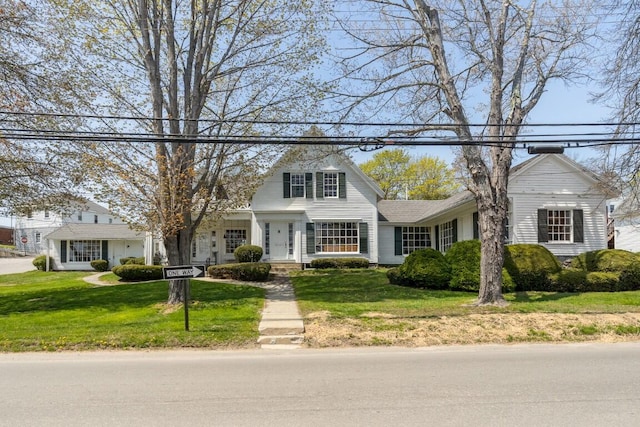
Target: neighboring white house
[(626, 225), (74, 240), (325, 206)]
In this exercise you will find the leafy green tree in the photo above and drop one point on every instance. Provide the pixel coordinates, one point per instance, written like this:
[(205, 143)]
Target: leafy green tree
[(402, 177), (430, 179), (388, 169)]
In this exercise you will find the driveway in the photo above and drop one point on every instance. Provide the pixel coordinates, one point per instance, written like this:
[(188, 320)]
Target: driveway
[(16, 265)]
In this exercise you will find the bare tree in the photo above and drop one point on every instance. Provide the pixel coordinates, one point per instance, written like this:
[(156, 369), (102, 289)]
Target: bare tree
[(621, 81), (455, 64), (200, 80), (32, 78)]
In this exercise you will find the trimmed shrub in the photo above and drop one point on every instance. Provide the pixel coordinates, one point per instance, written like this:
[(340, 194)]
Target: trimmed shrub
[(425, 268), (393, 274), (508, 285), (464, 259), (604, 260), (40, 262), (321, 263), (137, 272), (630, 278), (567, 280), (530, 266), (248, 271), (577, 280), (248, 253), (100, 264), (601, 281), (132, 260)]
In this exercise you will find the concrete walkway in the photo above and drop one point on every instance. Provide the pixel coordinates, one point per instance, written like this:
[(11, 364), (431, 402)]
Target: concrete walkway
[(281, 326)]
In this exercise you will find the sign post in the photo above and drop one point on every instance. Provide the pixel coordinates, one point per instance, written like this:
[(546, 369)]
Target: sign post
[(186, 272), (24, 244)]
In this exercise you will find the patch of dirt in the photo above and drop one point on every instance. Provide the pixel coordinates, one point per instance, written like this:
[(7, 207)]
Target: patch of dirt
[(383, 329)]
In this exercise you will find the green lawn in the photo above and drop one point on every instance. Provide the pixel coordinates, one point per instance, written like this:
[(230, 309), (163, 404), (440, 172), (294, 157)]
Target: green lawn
[(59, 311), (351, 293)]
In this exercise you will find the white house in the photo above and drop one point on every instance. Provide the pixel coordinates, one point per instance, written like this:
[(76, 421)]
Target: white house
[(322, 205), (329, 208), (90, 232), (625, 222)]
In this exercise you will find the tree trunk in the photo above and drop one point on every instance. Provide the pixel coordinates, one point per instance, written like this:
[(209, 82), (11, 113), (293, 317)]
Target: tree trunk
[(491, 258), (178, 253)]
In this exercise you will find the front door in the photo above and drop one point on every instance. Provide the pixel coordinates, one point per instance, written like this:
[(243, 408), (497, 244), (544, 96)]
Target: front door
[(279, 240)]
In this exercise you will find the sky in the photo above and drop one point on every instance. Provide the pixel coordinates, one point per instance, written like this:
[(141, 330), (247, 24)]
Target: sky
[(559, 104)]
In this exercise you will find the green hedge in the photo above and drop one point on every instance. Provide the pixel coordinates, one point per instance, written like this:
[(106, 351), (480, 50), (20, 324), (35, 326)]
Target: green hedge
[(247, 271), (630, 278), (133, 260), (605, 260), (530, 265), (248, 253), (321, 263), (425, 268), (40, 262), (100, 264), (137, 272), (464, 259)]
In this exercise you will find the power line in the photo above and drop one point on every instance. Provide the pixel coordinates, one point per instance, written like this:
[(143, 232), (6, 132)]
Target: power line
[(309, 122)]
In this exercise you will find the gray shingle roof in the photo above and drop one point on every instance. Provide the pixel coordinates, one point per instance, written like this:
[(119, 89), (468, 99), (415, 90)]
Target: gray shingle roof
[(411, 211), (95, 232)]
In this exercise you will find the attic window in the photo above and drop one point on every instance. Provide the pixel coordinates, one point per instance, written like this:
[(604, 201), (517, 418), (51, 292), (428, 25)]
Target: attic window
[(297, 185), (330, 182)]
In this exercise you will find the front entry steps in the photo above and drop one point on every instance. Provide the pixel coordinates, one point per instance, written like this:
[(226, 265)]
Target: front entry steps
[(281, 325)]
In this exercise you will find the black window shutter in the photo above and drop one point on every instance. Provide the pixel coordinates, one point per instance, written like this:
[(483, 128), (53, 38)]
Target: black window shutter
[(319, 185), (578, 226), (308, 184), (363, 234), (437, 237), (543, 226), (342, 185), (286, 185), (63, 251), (476, 226), (397, 232), (311, 238), (454, 226), (105, 250)]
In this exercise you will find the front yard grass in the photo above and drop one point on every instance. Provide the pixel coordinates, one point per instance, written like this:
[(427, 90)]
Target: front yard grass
[(49, 311), (360, 307)]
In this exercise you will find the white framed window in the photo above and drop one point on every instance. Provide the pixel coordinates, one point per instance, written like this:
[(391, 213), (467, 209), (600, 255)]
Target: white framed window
[(297, 185), (415, 238), (267, 238), (446, 236), (79, 216), (559, 225), (38, 237), (233, 239), (330, 184), (333, 237), (46, 213), (84, 250)]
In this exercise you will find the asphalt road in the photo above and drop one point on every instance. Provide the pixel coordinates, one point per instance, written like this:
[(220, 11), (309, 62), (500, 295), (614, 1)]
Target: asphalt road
[(523, 385), (16, 265)]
